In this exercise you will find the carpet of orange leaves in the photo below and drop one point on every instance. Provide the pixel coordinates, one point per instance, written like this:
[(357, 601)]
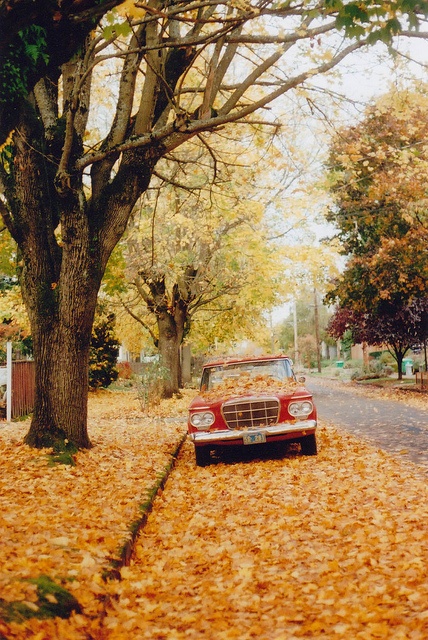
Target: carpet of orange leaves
[(416, 399), (326, 547), (70, 522)]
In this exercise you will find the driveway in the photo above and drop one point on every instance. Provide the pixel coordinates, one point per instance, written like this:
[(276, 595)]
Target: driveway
[(390, 425)]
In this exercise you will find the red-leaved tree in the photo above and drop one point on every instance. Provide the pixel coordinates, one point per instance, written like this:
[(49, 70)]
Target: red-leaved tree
[(398, 328)]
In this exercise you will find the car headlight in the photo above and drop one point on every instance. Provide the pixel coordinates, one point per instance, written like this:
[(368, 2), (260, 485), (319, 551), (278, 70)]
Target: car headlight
[(300, 409), (203, 420)]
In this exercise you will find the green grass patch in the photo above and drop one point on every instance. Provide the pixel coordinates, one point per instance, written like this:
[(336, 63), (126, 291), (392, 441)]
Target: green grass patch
[(63, 452), (52, 601)]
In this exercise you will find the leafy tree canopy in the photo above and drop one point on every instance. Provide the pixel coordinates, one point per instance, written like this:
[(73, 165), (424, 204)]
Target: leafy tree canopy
[(104, 351), (305, 322), (198, 251), (37, 37), (377, 173), (94, 104)]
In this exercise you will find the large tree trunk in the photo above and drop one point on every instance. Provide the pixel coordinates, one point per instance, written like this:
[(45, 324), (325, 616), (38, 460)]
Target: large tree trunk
[(60, 298), (61, 319), (61, 375), (60, 278)]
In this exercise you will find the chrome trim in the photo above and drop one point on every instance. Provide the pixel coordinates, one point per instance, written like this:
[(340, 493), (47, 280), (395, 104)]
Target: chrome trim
[(198, 409), (207, 437), (250, 412)]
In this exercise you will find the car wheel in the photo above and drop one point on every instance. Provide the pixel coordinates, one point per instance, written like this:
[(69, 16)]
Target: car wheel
[(308, 445), (203, 456)]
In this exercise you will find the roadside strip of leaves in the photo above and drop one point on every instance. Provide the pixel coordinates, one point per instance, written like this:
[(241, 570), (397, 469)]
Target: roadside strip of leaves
[(406, 394), (66, 529)]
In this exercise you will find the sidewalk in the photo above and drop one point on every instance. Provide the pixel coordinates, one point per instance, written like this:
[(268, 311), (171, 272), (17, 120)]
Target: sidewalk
[(75, 524)]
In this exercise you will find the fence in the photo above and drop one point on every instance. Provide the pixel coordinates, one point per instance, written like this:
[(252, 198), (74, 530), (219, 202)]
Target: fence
[(22, 388), (17, 377), (422, 379)]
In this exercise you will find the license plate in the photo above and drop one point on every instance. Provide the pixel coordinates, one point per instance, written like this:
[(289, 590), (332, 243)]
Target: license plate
[(254, 437)]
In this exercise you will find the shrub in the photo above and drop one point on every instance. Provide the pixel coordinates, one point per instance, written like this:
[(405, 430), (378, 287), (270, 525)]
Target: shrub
[(103, 354), (358, 375)]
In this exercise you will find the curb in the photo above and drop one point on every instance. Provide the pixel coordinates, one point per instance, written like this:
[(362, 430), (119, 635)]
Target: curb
[(126, 550)]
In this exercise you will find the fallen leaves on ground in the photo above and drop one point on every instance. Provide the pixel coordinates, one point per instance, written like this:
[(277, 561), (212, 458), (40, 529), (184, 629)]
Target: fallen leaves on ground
[(325, 547), (411, 397), (70, 522), (416, 399), (301, 547)]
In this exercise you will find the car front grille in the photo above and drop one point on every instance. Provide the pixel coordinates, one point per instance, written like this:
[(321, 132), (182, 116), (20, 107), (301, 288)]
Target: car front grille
[(251, 413)]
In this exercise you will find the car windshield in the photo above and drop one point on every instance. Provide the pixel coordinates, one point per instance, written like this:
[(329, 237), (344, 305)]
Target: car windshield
[(275, 369)]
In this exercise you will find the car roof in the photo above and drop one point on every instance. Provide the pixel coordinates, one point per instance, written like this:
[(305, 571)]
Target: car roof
[(238, 360)]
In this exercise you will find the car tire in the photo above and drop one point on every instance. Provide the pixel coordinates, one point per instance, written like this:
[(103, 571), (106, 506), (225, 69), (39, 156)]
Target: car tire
[(308, 445), (203, 456)]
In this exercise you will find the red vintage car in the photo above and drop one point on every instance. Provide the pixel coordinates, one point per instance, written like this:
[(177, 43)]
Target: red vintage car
[(251, 401)]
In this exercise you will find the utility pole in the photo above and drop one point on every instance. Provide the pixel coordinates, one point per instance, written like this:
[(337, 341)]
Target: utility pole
[(272, 334), (317, 329), (296, 346)]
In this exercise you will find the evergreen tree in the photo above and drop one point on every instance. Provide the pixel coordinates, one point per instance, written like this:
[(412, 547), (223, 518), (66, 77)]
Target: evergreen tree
[(103, 353)]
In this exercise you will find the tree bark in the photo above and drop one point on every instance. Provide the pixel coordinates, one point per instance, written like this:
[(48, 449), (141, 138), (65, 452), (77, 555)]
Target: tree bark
[(399, 351), (61, 376), (171, 333)]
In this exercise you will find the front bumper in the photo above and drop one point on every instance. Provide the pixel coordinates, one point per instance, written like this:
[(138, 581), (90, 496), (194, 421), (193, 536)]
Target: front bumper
[(273, 432)]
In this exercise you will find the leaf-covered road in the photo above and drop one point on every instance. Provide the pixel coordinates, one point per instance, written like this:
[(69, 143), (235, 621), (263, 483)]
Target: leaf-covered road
[(333, 546), (388, 423)]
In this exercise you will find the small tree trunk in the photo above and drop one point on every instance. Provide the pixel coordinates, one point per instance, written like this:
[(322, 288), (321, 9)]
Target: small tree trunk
[(400, 357), (365, 355), (171, 331), (399, 353)]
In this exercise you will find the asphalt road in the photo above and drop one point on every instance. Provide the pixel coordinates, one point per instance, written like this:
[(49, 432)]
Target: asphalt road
[(390, 425)]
